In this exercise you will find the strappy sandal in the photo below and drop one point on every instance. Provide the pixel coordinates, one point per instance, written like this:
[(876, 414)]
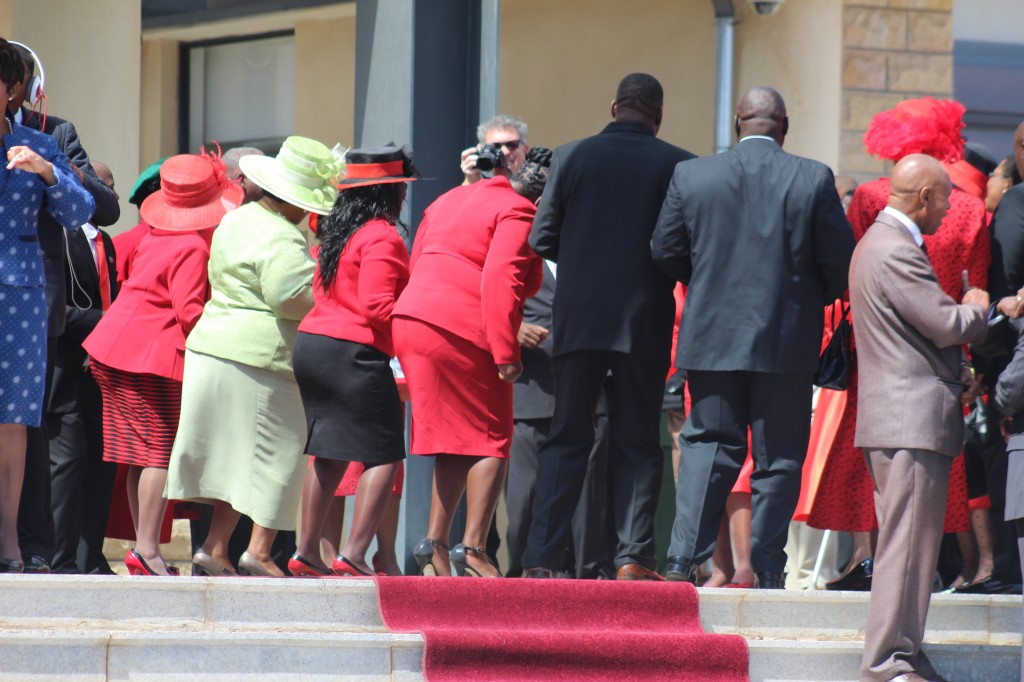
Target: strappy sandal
[(462, 567)]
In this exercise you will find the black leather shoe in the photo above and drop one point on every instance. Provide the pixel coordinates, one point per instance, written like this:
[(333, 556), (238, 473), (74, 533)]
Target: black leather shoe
[(858, 579), (11, 566), (989, 585), (771, 580), (681, 570), (535, 572), (36, 564)]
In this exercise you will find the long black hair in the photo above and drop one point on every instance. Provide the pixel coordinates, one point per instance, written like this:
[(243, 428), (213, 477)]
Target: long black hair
[(354, 208)]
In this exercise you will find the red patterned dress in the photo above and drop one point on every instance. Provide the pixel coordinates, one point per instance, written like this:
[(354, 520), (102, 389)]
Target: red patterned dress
[(844, 498)]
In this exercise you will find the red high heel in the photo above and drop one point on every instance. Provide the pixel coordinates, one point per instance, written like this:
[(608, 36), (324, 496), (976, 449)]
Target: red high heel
[(346, 569), (377, 567), (136, 565), (300, 568)]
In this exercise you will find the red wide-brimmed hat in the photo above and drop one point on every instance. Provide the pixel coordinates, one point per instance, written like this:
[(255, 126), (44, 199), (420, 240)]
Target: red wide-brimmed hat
[(194, 194), (378, 166)]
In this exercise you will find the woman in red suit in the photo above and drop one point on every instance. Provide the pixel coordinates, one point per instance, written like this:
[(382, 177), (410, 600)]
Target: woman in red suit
[(137, 350), (844, 499), (455, 333)]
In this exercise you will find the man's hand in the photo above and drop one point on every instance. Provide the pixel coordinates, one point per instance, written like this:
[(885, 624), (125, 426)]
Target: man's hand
[(978, 297), (973, 386), (510, 372), (1011, 306), (468, 165), (531, 335)]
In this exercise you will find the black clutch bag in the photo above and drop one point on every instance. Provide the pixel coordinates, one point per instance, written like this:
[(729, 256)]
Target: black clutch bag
[(834, 363)]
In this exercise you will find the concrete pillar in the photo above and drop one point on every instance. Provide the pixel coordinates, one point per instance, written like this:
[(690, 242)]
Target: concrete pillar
[(419, 81)]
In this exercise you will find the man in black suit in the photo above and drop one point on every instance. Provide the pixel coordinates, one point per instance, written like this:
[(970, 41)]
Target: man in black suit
[(613, 312), (760, 237), (81, 482), (533, 408), (35, 522)]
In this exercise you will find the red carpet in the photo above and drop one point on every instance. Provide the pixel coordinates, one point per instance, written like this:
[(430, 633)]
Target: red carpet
[(516, 629)]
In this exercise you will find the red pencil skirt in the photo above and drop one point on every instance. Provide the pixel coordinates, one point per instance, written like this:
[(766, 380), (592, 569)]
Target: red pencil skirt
[(140, 416), (459, 405)]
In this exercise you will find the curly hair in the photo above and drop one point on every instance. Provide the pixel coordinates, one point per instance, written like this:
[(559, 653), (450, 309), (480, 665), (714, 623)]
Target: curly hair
[(354, 208), (12, 66), (533, 176)]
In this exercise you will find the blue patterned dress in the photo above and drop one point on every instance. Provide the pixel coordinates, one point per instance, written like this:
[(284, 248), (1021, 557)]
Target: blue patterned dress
[(22, 283)]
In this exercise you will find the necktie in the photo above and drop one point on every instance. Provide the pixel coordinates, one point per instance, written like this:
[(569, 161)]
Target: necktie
[(103, 271)]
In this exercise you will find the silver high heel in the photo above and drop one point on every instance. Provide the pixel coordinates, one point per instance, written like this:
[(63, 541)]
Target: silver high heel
[(424, 555)]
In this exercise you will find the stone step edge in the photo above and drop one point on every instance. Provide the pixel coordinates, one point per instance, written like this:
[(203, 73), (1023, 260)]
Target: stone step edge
[(208, 638)]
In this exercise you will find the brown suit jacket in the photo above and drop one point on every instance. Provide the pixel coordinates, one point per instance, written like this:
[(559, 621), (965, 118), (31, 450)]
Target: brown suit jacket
[(908, 335)]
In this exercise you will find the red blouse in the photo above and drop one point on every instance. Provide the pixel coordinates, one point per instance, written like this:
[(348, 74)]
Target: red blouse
[(145, 328), (961, 243), (472, 267), (372, 272)]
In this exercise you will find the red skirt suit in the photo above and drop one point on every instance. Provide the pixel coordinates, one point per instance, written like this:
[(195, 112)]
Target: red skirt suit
[(457, 320), (138, 348), (843, 498)]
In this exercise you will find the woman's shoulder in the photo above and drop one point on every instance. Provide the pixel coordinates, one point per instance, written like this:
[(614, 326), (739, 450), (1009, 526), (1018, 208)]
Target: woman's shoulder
[(42, 143)]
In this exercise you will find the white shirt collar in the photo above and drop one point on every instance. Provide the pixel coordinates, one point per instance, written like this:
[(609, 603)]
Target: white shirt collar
[(911, 226), (18, 116), (757, 137), (91, 231)]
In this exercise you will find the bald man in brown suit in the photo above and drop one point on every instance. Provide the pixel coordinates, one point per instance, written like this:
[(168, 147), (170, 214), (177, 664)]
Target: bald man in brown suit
[(910, 419)]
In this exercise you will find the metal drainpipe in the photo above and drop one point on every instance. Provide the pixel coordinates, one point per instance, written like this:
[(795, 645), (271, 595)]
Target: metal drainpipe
[(725, 19)]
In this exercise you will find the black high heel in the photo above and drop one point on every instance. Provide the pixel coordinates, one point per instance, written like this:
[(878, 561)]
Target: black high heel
[(424, 555), (462, 567)]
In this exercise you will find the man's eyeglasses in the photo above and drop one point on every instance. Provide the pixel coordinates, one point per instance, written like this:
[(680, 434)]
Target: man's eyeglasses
[(510, 145)]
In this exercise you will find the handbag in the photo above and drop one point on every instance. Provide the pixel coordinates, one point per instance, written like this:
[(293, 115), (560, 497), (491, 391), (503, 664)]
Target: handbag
[(835, 360)]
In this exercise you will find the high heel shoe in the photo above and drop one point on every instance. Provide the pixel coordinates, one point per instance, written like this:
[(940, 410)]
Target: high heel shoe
[(248, 565), (345, 568), (377, 567), (424, 555), (300, 568), (462, 567), (136, 565), (205, 565)]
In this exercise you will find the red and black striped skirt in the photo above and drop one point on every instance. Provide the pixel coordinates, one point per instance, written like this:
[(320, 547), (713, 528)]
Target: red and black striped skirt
[(140, 416)]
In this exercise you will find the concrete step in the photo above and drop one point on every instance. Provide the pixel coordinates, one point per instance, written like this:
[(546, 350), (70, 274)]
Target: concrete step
[(115, 628)]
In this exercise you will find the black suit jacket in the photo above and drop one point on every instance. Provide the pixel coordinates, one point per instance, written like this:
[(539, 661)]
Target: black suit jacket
[(83, 314), (760, 237), (534, 391), (595, 220), (1006, 273), (51, 234)]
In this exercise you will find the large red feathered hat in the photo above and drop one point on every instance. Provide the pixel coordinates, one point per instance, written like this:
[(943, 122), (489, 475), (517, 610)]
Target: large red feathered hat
[(918, 126)]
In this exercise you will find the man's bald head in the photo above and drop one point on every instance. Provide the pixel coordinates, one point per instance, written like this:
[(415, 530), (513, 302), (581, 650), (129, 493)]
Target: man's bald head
[(920, 189), (762, 111)]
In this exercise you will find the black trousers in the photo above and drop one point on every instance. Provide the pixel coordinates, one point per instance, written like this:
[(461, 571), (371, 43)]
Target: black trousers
[(593, 534), (82, 484), (35, 520), (635, 458), (777, 410)]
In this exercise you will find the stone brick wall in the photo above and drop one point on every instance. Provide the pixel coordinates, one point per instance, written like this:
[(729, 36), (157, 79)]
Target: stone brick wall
[(892, 50)]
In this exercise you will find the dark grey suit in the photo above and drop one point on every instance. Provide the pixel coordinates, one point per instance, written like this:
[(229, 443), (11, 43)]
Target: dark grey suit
[(534, 407), (760, 237), (613, 312), (35, 524), (910, 426)]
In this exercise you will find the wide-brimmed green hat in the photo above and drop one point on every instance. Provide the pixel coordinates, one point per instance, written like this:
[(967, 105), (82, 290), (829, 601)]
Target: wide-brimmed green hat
[(301, 174)]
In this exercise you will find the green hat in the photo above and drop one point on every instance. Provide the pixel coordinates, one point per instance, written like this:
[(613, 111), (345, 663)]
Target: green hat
[(300, 174), (147, 183)]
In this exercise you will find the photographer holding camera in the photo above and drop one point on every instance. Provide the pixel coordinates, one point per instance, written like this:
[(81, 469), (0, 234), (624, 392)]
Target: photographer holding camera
[(502, 149)]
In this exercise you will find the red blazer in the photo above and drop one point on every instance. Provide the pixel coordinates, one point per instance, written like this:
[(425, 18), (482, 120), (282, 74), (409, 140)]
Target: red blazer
[(472, 267), (372, 272), (961, 243), (144, 330), (125, 245)]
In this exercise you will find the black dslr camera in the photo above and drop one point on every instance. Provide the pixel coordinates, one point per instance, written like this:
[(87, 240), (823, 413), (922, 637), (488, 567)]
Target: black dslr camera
[(490, 157)]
